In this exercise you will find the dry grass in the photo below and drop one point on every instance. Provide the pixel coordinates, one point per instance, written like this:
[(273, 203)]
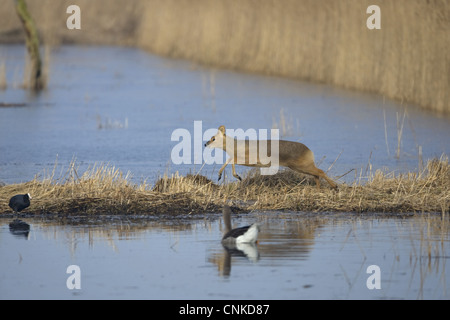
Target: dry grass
[(319, 40), (106, 190), (99, 190)]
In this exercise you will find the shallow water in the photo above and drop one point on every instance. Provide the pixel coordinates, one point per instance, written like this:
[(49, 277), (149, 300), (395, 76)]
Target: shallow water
[(299, 256), (121, 105)]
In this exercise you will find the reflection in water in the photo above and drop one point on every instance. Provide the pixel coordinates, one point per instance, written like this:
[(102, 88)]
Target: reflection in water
[(247, 250), (284, 235), (72, 230), (297, 256), (19, 228), (238, 242), (281, 238)]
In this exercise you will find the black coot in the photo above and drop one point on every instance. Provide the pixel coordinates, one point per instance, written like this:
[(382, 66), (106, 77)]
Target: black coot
[(19, 202)]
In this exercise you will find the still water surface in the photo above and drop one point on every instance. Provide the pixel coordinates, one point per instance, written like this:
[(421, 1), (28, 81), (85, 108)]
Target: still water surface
[(299, 256)]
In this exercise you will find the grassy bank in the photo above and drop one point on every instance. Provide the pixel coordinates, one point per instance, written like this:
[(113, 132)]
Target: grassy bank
[(319, 40), (105, 190)]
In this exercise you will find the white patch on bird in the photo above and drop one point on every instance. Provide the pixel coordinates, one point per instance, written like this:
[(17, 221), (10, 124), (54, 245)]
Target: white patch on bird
[(250, 236)]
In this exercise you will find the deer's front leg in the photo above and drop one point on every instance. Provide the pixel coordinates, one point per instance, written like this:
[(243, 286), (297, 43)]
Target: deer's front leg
[(223, 168), (234, 172)]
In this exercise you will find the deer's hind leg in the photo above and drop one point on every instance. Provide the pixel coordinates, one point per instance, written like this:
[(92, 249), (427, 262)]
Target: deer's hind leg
[(317, 173), (321, 174)]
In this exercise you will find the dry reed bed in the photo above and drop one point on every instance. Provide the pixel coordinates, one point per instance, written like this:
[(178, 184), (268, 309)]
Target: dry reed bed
[(318, 40), (106, 190)]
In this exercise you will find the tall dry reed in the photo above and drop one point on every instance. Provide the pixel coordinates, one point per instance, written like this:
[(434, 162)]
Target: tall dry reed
[(3, 81), (319, 40)]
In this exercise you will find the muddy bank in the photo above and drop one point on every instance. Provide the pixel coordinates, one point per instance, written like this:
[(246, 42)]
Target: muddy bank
[(320, 41)]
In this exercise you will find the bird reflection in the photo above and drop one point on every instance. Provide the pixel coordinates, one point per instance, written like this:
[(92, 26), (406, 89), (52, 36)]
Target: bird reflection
[(246, 250), (19, 228), (239, 242)]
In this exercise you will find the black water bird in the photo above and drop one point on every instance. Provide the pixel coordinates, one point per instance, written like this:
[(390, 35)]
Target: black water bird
[(19, 202)]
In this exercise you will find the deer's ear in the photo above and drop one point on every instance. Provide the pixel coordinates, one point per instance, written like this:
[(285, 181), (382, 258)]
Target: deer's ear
[(222, 129)]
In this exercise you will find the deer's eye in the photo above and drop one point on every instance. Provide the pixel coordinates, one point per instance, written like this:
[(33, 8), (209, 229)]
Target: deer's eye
[(213, 139)]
